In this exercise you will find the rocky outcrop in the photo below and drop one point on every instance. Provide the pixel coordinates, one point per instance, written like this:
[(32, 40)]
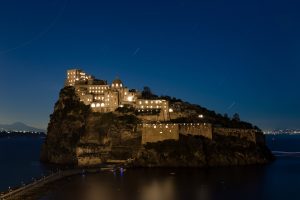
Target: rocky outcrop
[(78, 136), (75, 133), (67, 125), (191, 151)]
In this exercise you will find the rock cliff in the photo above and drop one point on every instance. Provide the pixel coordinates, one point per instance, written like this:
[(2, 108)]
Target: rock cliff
[(67, 125), (78, 136), (191, 151)]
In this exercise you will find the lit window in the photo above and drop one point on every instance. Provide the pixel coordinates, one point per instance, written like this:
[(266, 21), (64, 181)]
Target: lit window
[(130, 98)]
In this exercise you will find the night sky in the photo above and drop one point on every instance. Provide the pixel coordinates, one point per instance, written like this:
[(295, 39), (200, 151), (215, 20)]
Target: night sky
[(228, 56)]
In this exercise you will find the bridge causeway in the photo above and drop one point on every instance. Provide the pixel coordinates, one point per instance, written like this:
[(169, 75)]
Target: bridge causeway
[(25, 189)]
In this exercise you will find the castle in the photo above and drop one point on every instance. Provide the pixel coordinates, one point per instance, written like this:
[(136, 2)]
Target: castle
[(156, 114), (104, 97)]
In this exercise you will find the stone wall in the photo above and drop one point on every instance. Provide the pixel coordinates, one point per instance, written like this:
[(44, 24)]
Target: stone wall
[(89, 155), (196, 129), (252, 135), (89, 161), (158, 132), (162, 116), (147, 118)]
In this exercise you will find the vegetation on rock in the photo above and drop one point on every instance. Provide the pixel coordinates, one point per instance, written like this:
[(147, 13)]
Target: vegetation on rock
[(73, 125)]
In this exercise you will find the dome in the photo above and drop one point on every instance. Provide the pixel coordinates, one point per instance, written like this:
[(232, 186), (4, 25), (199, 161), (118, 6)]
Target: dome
[(117, 83)]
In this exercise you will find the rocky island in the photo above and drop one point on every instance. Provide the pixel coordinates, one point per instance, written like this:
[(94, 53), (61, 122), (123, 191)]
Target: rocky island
[(95, 123)]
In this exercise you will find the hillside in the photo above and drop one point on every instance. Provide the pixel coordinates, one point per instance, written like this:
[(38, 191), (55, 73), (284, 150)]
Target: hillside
[(78, 136), (19, 126)]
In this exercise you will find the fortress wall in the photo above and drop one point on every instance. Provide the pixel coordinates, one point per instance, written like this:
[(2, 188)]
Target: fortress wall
[(88, 161), (196, 129), (90, 150), (248, 134), (176, 115), (158, 132), (162, 116), (153, 118)]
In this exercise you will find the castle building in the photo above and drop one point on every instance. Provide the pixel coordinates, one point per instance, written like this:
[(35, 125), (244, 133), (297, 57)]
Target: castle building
[(103, 97)]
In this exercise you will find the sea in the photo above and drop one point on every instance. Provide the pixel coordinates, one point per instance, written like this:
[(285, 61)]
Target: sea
[(19, 163)]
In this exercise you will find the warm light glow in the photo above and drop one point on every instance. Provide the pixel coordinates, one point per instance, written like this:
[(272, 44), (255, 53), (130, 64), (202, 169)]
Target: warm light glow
[(130, 98)]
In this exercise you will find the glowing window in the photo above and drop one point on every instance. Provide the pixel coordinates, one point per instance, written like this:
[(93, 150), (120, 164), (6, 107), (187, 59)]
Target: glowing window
[(130, 98)]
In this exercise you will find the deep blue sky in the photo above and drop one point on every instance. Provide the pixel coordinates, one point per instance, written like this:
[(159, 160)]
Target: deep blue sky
[(229, 56)]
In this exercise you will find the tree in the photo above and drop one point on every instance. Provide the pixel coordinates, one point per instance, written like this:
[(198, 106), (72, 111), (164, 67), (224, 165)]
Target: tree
[(236, 117), (226, 116), (147, 93)]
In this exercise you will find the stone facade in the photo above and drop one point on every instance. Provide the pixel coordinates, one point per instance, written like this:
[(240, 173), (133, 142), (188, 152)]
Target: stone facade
[(89, 161), (103, 97), (159, 132), (196, 129), (152, 133)]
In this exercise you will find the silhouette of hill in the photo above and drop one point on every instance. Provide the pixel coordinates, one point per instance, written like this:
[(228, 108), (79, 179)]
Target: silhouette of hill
[(19, 126)]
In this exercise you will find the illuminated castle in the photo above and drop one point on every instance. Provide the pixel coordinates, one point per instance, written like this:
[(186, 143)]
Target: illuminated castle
[(103, 97)]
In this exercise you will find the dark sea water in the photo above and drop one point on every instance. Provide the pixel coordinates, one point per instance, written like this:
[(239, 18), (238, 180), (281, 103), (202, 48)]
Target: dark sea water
[(279, 180)]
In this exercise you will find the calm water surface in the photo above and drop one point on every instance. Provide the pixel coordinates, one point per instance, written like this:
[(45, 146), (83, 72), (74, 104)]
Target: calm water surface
[(279, 180)]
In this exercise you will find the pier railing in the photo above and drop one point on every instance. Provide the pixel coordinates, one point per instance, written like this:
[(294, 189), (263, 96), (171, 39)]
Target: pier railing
[(14, 193), (17, 192)]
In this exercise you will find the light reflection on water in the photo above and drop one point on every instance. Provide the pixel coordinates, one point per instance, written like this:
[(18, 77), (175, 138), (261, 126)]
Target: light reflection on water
[(19, 161), (162, 184)]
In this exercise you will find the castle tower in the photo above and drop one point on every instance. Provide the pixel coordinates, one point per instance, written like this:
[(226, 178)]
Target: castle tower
[(74, 76), (117, 84)]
